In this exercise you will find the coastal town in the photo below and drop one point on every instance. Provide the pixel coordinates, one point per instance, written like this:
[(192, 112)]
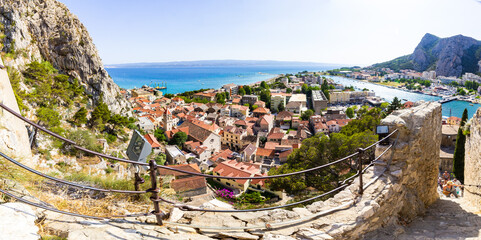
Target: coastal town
[(247, 130), (466, 88)]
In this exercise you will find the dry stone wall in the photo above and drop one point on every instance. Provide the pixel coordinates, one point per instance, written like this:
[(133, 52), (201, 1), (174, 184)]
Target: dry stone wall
[(472, 169)]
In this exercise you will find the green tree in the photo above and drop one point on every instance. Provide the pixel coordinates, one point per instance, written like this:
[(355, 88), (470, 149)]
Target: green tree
[(83, 138), (248, 89), (350, 112), (289, 90), (395, 104), (265, 96), (100, 115), (384, 105), (307, 114), (459, 151), (281, 107), (178, 139), (304, 88), (159, 134), (160, 159), (220, 98), (80, 117), (264, 85), (242, 91), (48, 116)]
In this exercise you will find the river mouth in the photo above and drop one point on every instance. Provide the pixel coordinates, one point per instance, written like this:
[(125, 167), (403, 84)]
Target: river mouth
[(453, 108)]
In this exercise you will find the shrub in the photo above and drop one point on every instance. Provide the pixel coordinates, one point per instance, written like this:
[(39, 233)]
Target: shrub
[(48, 116)]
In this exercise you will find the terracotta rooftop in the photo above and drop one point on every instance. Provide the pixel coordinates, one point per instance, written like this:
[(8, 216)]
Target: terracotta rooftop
[(152, 140), (187, 184), (232, 168), (186, 167)]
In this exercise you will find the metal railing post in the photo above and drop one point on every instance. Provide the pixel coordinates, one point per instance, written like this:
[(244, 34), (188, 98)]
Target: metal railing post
[(359, 167), (155, 191)]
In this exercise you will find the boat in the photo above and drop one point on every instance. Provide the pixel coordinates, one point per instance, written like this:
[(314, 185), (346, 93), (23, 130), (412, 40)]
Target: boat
[(471, 104)]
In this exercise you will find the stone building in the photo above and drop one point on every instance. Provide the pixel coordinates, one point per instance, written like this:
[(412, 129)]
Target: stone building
[(448, 142), (319, 101)]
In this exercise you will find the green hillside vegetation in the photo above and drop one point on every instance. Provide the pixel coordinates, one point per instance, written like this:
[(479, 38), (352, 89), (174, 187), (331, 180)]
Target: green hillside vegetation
[(397, 64), (52, 94)]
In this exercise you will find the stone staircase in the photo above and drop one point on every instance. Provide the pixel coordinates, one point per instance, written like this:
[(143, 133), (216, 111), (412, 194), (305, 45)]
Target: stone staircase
[(447, 218)]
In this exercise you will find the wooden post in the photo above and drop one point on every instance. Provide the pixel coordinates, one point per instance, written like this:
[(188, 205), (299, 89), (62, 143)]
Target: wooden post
[(155, 190)]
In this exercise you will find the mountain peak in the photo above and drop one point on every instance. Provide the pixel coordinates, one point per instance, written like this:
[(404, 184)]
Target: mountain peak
[(452, 56)]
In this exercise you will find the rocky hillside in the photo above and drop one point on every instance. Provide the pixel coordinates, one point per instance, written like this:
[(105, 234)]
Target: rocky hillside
[(451, 56), (36, 30)]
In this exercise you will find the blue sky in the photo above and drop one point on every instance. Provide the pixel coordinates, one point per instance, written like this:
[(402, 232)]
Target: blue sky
[(330, 31)]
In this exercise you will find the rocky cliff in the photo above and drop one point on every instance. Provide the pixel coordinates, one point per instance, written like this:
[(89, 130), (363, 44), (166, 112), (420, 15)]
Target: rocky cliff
[(451, 56), (46, 30)]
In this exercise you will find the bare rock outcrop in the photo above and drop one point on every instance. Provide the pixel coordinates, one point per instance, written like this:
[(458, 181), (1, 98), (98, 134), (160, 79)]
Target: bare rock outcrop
[(13, 133), (18, 222), (45, 29)]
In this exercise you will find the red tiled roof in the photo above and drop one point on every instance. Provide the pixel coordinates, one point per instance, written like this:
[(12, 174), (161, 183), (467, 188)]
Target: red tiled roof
[(223, 154), (265, 152), (186, 167), (189, 183), (152, 140), (271, 145), (343, 122), (240, 169), (261, 110)]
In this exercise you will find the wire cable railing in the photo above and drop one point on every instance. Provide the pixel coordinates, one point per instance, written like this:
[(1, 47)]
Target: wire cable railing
[(153, 167), (67, 182), (70, 213), (184, 171)]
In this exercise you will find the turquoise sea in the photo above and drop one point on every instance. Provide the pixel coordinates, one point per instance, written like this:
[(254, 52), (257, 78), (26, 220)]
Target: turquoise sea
[(187, 78)]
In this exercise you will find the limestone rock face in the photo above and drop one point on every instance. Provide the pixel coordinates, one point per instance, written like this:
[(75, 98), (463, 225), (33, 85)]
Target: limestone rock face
[(13, 134), (472, 167), (450, 56), (45, 29), (18, 222)]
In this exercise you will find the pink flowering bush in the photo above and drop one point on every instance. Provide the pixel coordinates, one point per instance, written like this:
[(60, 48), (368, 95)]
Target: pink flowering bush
[(225, 193)]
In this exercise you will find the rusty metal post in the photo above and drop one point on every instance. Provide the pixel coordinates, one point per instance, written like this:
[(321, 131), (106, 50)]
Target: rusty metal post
[(360, 155), (155, 191)]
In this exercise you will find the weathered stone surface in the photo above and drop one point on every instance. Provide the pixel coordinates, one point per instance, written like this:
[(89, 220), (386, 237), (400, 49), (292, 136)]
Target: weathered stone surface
[(18, 222), (47, 30), (472, 168), (312, 234), (175, 215), (13, 134), (238, 235)]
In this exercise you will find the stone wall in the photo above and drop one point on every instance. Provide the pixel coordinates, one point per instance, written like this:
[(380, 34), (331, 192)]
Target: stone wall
[(472, 168), (398, 189), (13, 133)]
